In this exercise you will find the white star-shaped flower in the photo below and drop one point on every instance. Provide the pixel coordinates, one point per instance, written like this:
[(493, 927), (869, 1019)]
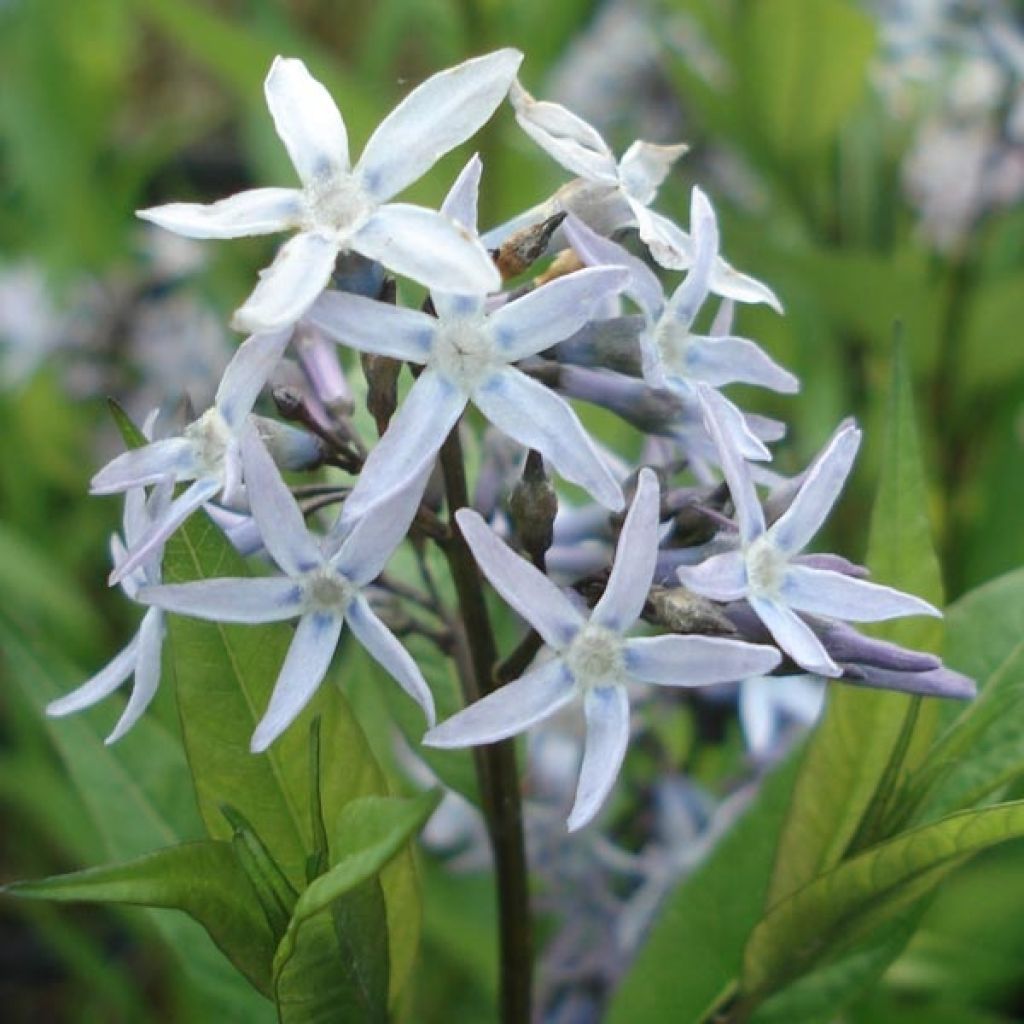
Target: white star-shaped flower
[(594, 660), (341, 207)]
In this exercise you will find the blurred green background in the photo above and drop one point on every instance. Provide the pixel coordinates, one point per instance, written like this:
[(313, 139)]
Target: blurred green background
[(866, 159)]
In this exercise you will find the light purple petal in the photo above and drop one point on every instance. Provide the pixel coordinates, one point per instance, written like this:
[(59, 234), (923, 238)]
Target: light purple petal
[(644, 166), (371, 326), (410, 443), (795, 637), (607, 711), (463, 197), (525, 588), (757, 714), (635, 556), (569, 139), (429, 248), (687, 299), (101, 685), (597, 251), (538, 418), (247, 373), (720, 361), (554, 311), (290, 285), (304, 668), (227, 599), (822, 483), (721, 577), (307, 120), (824, 592), (259, 211), (390, 654), (433, 119), (696, 660), (174, 456), (722, 324), (749, 515), (509, 710), (147, 673), (276, 512)]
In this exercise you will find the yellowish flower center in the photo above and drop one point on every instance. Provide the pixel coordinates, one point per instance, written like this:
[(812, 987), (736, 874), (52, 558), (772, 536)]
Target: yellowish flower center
[(595, 657)]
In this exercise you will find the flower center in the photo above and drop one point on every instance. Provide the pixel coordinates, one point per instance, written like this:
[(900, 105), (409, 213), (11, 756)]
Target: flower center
[(327, 590), (338, 205), (595, 657), (463, 351), (210, 436), (672, 341), (765, 567)]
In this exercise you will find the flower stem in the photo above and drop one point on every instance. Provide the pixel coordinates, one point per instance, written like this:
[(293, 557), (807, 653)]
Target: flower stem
[(496, 762)]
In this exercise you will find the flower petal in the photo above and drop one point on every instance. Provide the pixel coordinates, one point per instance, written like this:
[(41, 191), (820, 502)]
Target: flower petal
[(173, 456), (635, 556), (795, 637), (228, 599), (433, 119), (757, 714), (510, 709), (280, 522), (718, 361), (569, 139), (829, 593), (721, 577), (101, 685), (416, 432), (793, 530), (554, 311), (696, 660), (370, 326), (290, 285), (259, 211), (304, 668), (524, 587), (644, 166), (538, 418), (462, 200), (247, 373), (429, 248), (307, 120), (390, 654), (147, 673), (686, 300), (607, 711)]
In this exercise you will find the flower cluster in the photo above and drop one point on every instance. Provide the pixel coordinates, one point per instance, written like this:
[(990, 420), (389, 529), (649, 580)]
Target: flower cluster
[(717, 575)]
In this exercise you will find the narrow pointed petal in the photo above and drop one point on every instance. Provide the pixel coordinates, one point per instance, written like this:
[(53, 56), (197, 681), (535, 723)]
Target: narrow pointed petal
[(242, 599), (721, 577), (687, 299), (147, 673), (101, 685), (307, 120), (801, 697), (524, 587), (749, 514), (151, 544), (821, 486), (597, 251), (696, 660), (259, 211), (722, 324), (385, 649), (147, 465), (538, 418), (290, 285), (410, 443), (509, 710), (276, 512), (824, 592), (569, 139), (743, 434), (554, 311), (757, 714), (304, 668), (247, 373), (462, 200), (644, 166), (635, 556), (429, 248), (607, 711), (795, 637), (720, 361), (433, 119), (371, 326)]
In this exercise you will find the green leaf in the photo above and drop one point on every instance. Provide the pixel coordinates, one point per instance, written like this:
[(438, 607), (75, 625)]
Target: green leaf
[(202, 879), (695, 948), (843, 905), (984, 626), (864, 735)]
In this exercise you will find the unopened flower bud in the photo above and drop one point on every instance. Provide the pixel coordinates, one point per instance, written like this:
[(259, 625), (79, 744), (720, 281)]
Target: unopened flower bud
[(525, 246), (679, 610), (533, 506), (382, 387)]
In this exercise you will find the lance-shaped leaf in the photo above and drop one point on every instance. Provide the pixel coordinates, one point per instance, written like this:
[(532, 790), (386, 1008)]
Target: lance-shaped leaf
[(205, 880)]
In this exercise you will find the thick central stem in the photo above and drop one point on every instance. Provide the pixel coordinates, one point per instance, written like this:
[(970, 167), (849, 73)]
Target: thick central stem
[(496, 763)]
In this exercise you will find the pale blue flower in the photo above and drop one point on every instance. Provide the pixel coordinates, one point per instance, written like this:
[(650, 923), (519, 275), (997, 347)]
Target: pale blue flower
[(322, 588), (594, 660), (341, 207), (764, 569), (767, 702)]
